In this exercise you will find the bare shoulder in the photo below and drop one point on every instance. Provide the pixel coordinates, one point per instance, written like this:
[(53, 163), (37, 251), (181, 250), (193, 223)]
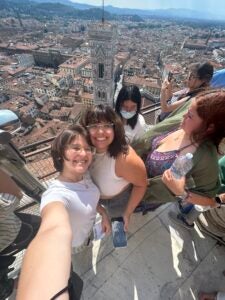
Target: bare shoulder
[(130, 157), (129, 162), (131, 167)]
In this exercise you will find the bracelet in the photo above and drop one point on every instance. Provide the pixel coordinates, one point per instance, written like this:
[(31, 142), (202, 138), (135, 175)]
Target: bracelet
[(185, 195), (218, 200)]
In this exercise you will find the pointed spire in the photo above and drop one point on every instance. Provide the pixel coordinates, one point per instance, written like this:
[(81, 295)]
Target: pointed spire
[(103, 12)]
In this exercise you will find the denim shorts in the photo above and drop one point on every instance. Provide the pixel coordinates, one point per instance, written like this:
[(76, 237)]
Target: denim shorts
[(116, 205)]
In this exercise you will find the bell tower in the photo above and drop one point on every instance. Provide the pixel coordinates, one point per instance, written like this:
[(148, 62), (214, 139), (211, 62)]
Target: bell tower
[(102, 43)]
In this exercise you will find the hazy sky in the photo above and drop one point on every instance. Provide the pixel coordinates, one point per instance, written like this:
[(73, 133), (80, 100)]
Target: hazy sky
[(213, 6)]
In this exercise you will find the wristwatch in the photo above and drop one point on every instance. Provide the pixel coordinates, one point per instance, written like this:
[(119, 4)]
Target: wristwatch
[(218, 200)]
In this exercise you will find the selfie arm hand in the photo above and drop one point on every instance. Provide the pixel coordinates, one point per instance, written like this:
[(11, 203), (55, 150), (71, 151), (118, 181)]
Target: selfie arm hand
[(48, 257)]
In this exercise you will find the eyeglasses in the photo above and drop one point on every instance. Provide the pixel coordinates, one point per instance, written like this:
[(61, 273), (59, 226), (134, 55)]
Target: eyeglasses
[(192, 76), (78, 149), (95, 127)]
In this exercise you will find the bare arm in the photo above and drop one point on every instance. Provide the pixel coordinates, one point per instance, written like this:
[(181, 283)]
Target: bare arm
[(177, 188), (201, 200), (176, 104), (165, 95), (47, 262), (106, 225), (132, 168)]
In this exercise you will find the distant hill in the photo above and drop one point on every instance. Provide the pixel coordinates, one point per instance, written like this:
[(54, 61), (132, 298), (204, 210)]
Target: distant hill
[(166, 13), (41, 9), (85, 11), (67, 2)]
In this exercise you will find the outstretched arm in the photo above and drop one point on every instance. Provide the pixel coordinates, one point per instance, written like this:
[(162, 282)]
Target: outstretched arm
[(47, 262)]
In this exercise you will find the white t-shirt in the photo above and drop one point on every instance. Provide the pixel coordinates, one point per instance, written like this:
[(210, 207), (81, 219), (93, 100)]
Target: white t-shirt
[(80, 199), (139, 130)]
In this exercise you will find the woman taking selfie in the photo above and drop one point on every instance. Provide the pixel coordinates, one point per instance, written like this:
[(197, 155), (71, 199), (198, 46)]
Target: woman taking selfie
[(68, 211), (198, 80)]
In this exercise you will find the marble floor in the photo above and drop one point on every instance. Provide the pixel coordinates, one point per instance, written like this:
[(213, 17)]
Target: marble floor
[(162, 261)]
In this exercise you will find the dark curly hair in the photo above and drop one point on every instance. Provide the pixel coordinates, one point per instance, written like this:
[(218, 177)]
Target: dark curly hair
[(129, 93), (204, 71), (100, 113), (62, 141), (210, 106)]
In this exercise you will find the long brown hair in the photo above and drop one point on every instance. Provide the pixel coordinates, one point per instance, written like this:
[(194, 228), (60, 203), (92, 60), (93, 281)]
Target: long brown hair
[(100, 113)]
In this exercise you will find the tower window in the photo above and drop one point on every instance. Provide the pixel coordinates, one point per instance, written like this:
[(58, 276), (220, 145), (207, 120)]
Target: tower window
[(101, 70)]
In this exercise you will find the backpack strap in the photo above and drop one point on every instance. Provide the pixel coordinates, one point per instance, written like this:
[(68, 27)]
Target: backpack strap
[(182, 148)]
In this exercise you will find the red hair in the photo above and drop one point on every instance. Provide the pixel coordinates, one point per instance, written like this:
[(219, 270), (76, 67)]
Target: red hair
[(210, 106)]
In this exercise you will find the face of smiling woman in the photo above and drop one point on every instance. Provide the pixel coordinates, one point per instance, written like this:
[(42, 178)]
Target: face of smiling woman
[(102, 135), (78, 157)]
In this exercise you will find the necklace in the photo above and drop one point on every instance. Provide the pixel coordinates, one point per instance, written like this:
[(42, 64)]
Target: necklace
[(82, 181), (179, 135), (176, 138), (85, 182)]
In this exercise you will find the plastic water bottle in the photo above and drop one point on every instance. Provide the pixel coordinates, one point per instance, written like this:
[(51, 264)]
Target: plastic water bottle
[(182, 165)]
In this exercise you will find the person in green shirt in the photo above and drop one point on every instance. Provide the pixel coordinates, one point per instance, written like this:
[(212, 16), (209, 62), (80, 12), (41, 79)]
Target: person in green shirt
[(203, 180)]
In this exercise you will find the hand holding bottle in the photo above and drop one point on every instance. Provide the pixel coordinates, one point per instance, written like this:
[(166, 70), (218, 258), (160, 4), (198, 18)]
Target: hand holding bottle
[(176, 186)]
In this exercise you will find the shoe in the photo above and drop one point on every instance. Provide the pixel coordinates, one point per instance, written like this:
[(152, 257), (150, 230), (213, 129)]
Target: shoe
[(146, 207), (180, 220)]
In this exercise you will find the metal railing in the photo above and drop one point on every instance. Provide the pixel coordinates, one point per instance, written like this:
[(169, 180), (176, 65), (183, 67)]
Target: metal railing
[(39, 161)]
